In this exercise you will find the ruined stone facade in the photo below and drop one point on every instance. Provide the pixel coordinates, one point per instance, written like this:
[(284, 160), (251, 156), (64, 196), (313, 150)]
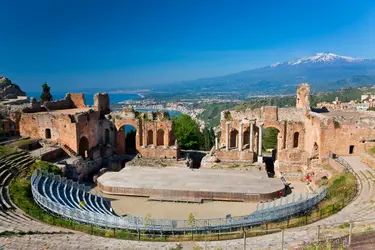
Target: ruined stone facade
[(306, 137), (154, 133), (94, 132)]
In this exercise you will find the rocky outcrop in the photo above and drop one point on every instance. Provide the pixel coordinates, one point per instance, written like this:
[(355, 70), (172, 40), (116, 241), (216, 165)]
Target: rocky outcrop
[(9, 90), (208, 161)]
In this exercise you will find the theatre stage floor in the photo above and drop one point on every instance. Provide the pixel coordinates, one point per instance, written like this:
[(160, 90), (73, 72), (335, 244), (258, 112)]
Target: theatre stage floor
[(183, 184)]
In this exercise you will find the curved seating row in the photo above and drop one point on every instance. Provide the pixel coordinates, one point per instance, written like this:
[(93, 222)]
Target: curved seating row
[(70, 194)]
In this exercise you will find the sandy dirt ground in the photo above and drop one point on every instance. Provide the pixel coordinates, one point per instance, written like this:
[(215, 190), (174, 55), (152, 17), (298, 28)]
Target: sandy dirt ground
[(141, 206)]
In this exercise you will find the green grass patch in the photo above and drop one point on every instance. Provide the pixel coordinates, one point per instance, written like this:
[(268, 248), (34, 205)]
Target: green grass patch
[(21, 143), (234, 166), (372, 151), (6, 150)]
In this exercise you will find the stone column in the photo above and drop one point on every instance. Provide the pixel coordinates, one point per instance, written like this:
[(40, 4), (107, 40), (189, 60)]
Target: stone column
[(240, 138), (260, 157), (155, 135), (144, 135), (216, 143), (251, 137), (227, 136)]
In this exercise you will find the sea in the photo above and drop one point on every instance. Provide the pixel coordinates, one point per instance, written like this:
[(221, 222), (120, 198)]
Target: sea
[(114, 98)]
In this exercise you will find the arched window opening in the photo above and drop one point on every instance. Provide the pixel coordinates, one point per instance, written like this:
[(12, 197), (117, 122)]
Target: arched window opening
[(295, 140), (150, 137), (83, 147), (234, 138), (160, 138), (246, 138)]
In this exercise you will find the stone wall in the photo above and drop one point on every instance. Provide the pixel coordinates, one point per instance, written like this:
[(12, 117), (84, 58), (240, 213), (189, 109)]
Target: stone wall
[(169, 153), (58, 105), (36, 125), (303, 96), (235, 155), (154, 137), (78, 100), (101, 103)]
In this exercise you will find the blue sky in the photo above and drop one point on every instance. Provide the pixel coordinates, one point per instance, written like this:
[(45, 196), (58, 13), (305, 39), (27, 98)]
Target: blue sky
[(122, 43)]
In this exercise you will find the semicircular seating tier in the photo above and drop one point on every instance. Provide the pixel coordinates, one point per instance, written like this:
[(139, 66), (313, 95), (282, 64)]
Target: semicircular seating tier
[(13, 219), (72, 200)]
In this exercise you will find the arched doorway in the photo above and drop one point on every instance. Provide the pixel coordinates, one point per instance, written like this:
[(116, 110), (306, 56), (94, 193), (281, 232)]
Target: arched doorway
[(233, 138), (130, 139), (150, 137), (160, 138), (269, 148), (83, 147)]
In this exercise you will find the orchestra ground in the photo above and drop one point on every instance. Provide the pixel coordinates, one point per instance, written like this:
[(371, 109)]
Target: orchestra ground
[(141, 206), (193, 185)]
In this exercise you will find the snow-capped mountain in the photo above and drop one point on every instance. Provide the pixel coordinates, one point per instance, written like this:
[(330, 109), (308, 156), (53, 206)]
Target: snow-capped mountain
[(320, 58), (322, 71)]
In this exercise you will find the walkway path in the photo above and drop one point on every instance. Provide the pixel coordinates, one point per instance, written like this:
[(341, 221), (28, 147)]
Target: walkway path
[(361, 208)]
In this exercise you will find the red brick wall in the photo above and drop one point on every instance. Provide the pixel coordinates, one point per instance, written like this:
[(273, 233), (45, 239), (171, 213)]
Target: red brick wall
[(78, 100), (234, 155)]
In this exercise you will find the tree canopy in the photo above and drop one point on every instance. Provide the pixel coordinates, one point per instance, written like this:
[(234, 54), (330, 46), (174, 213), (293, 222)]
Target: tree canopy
[(270, 138), (187, 132), (46, 94)]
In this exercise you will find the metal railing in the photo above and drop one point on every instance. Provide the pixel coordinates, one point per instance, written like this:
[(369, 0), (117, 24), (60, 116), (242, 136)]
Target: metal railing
[(266, 212)]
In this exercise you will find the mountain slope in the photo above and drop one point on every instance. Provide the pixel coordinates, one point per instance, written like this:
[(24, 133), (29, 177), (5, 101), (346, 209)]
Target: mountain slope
[(319, 70), (9, 90)]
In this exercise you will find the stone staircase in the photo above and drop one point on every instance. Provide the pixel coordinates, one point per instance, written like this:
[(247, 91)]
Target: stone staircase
[(69, 150)]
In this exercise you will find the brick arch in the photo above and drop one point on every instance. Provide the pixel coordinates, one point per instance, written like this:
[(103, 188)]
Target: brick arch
[(120, 136), (277, 125), (281, 138), (133, 122)]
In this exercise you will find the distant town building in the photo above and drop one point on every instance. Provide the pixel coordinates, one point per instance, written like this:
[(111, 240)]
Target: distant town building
[(368, 99)]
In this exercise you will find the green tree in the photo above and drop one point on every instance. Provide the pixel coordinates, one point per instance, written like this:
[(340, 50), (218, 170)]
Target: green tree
[(208, 139), (187, 132), (191, 220), (270, 138), (46, 94)]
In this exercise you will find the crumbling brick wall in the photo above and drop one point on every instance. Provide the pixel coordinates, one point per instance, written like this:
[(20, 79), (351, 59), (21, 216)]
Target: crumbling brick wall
[(77, 100)]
